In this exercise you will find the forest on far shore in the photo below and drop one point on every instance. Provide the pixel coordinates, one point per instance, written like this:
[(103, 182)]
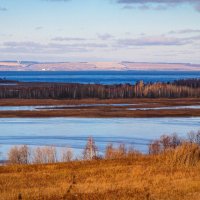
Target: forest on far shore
[(177, 89)]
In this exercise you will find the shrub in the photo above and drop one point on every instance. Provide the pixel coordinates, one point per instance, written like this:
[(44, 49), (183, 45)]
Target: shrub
[(187, 154), (194, 137), (19, 155), (45, 155), (165, 142), (66, 155), (120, 152)]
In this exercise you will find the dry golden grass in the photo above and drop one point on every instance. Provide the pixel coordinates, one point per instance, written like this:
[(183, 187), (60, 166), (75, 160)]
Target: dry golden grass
[(137, 177)]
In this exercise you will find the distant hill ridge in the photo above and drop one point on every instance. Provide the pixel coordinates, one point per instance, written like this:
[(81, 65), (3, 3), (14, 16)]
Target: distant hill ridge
[(94, 66)]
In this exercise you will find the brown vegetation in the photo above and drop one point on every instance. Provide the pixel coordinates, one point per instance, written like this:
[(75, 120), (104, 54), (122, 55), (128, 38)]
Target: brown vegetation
[(141, 102), (138, 177), (172, 174), (40, 155), (103, 111), (19, 155), (81, 91)]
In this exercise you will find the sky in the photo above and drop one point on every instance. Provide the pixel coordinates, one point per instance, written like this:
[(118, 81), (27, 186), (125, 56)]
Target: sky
[(100, 30)]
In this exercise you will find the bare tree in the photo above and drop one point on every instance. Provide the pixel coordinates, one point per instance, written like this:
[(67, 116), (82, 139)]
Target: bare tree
[(109, 151), (122, 151), (165, 142), (25, 154), (175, 141), (194, 137), (45, 155), (155, 147), (116, 152), (51, 154), (38, 156), (90, 151), (19, 155), (67, 155)]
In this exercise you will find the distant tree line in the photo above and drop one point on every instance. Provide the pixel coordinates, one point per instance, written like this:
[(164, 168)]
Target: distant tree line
[(176, 89), (193, 83)]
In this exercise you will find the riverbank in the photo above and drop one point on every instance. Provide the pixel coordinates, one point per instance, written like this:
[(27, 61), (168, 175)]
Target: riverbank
[(138, 107), (159, 101)]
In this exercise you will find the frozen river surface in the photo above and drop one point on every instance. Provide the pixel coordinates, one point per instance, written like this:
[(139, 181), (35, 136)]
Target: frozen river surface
[(73, 132)]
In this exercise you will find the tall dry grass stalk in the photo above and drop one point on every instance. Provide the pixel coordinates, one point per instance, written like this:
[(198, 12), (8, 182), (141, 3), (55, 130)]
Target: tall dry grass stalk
[(185, 155)]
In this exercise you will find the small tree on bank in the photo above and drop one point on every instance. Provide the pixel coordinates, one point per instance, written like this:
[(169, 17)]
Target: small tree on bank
[(90, 151), (19, 155), (67, 155), (43, 155)]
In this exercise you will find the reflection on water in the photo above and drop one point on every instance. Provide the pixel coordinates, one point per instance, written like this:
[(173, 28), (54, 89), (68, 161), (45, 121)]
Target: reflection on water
[(73, 132)]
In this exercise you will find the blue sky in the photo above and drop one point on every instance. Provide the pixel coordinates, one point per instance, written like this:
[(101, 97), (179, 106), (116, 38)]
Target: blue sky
[(100, 30)]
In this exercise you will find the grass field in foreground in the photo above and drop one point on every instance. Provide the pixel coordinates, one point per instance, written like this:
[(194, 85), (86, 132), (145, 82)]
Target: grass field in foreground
[(169, 176)]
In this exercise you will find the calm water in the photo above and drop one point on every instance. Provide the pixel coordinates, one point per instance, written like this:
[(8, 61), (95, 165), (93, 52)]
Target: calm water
[(73, 132), (103, 77)]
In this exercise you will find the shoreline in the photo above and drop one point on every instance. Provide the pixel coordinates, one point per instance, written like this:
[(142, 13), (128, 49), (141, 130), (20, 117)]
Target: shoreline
[(104, 111)]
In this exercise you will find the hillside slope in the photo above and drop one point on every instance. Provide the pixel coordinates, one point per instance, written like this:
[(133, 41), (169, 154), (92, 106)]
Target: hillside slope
[(94, 66)]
